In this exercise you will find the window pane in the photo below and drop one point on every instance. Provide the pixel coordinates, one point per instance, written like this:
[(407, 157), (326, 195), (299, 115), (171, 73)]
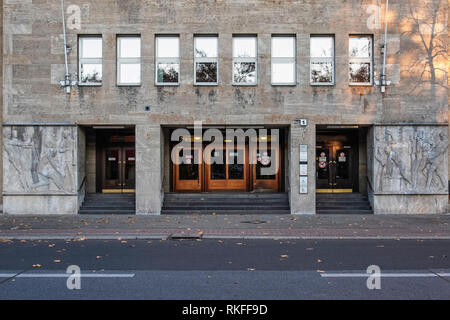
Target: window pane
[(360, 72), (283, 47), (130, 73), (206, 47), (130, 47), (235, 165), (321, 72), (168, 47), (244, 47), (206, 72), (283, 72), (91, 48), (360, 47), (321, 47), (168, 72), (91, 73), (218, 170), (244, 72)]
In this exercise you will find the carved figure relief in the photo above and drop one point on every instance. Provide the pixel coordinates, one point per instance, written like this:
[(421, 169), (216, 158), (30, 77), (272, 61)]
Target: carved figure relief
[(39, 159), (410, 159)]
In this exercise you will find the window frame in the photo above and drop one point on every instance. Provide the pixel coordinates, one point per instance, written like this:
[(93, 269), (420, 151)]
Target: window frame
[(82, 60), (369, 60), (168, 60), (244, 59), (206, 60), (292, 59), (323, 59), (121, 61)]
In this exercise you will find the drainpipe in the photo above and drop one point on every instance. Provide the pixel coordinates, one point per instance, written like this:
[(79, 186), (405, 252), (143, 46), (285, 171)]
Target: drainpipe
[(385, 83), (66, 82)]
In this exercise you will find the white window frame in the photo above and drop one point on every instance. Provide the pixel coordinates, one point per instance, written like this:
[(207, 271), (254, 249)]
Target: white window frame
[(82, 60), (245, 59), (206, 60), (121, 60), (369, 60), (290, 60), (323, 60), (172, 60)]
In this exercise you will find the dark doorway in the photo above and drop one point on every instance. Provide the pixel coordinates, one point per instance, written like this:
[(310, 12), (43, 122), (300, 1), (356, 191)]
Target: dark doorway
[(337, 160), (116, 161)]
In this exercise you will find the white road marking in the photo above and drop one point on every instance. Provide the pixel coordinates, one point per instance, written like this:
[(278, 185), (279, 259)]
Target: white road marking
[(384, 275), (66, 275)]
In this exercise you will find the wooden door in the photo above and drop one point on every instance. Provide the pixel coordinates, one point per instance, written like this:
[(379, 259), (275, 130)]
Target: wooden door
[(266, 168), (188, 169), (226, 169), (119, 170)]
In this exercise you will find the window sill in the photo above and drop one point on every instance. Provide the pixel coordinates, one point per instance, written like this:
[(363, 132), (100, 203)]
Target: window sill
[(90, 84), (283, 84), (361, 84), (129, 85), (167, 84), (205, 84), (244, 84), (325, 84)]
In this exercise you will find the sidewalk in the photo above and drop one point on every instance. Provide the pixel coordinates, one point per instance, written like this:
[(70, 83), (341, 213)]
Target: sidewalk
[(226, 226)]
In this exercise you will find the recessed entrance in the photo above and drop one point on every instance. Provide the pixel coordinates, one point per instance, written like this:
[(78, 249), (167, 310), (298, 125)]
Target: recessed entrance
[(337, 161), (116, 158), (242, 168)]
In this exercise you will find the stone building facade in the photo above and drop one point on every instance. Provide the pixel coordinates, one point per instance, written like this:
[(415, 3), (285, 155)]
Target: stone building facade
[(341, 136)]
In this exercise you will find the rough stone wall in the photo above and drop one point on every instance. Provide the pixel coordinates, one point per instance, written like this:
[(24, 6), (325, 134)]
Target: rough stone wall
[(1, 99), (34, 62)]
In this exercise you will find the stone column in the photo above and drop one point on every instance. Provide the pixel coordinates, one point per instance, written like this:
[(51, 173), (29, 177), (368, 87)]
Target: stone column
[(302, 203), (149, 193)]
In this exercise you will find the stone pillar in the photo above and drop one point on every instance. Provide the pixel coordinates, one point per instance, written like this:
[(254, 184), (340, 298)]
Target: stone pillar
[(40, 169), (410, 169), (302, 203), (149, 192)]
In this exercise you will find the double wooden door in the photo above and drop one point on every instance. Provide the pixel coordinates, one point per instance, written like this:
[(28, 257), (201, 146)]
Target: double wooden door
[(119, 167), (226, 169), (336, 165)]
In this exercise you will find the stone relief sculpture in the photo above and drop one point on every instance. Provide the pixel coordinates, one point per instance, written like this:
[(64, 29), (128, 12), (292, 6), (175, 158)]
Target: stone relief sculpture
[(410, 159), (39, 159)]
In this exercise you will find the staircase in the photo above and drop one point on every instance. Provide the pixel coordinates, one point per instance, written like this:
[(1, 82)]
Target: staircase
[(226, 203), (342, 203), (99, 203)]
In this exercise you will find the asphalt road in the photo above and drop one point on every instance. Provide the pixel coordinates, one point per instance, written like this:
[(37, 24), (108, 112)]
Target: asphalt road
[(225, 269)]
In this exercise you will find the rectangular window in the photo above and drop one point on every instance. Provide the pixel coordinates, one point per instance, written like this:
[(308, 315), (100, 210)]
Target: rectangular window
[(244, 60), (360, 60), (167, 60), (322, 60), (283, 60), (128, 60), (206, 60), (90, 60)]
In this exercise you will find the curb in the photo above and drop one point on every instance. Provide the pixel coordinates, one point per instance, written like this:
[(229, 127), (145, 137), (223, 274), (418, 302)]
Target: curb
[(164, 237)]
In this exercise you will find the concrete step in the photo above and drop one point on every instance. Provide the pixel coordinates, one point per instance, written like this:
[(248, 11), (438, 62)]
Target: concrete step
[(340, 211), (225, 207), (226, 195), (238, 211), (106, 211)]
